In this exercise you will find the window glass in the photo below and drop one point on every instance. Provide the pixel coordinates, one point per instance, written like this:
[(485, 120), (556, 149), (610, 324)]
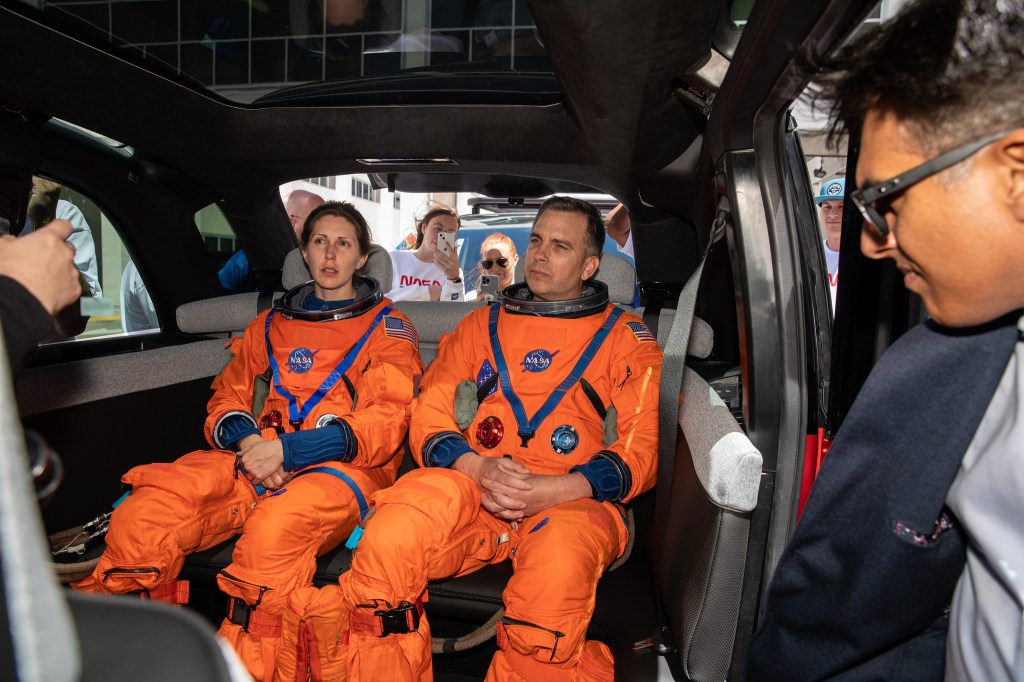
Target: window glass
[(232, 263), (739, 11), (393, 219), (112, 289), (826, 158), (247, 50)]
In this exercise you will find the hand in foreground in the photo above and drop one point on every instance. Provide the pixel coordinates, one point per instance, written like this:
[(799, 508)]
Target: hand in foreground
[(502, 483), (260, 458), (44, 263)]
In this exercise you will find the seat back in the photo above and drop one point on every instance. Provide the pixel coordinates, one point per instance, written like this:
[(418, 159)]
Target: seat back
[(702, 551), (42, 640), (707, 488), (618, 273), (233, 313)]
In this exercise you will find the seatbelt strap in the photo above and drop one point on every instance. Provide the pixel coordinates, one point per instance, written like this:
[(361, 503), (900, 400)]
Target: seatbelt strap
[(252, 620), (171, 592), (265, 299), (367, 619), (673, 365)]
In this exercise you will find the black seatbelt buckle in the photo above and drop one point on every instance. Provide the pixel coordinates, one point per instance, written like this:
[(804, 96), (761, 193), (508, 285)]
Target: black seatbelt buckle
[(239, 612), (401, 620)]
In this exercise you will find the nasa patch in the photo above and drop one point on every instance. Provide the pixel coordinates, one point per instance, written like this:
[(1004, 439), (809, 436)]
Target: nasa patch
[(485, 373), (537, 360), (300, 360)]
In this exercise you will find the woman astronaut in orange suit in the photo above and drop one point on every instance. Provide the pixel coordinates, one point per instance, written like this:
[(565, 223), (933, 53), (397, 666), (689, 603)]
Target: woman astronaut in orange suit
[(307, 422)]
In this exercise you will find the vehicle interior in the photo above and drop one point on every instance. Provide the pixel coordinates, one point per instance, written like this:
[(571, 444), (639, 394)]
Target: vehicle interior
[(166, 115)]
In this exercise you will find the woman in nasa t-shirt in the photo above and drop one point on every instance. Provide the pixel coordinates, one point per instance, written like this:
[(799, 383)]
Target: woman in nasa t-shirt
[(426, 273)]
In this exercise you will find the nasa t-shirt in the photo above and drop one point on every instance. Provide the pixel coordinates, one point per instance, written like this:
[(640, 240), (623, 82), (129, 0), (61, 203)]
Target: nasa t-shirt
[(411, 278)]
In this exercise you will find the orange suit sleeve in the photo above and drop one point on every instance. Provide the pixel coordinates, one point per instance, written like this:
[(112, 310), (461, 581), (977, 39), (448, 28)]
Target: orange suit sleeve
[(384, 383), (233, 387), (635, 392)]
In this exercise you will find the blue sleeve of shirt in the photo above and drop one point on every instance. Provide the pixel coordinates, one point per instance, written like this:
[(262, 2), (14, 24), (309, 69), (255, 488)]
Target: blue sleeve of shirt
[(334, 441), (608, 476), (233, 429), (237, 276), (444, 448)]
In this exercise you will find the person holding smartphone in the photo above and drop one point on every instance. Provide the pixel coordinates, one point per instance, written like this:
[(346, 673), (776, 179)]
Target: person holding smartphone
[(497, 268), (430, 271)]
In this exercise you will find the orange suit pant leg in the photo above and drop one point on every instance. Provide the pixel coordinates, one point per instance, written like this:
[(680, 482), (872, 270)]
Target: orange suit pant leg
[(277, 553), (429, 525), (561, 554), (175, 509)]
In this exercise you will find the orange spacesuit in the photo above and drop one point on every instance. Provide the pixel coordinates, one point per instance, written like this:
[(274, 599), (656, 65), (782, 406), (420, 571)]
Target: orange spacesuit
[(336, 389), (561, 369)]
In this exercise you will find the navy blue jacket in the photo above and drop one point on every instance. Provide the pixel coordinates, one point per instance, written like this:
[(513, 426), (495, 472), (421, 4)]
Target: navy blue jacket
[(862, 587)]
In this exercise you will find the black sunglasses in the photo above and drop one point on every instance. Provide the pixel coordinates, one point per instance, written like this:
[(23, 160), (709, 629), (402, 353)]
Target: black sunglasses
[(871, 201), (487, 263)]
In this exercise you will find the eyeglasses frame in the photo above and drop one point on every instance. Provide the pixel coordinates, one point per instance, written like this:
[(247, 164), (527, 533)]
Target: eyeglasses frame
[(866, 199)]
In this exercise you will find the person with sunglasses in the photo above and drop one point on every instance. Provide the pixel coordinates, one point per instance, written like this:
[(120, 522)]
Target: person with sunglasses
[(498, 257), (908, 561)]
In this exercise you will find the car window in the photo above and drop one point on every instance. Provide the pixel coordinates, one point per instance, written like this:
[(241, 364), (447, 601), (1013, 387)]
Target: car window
[(278, 50), (393, 215), (233, 270), (114, 298)]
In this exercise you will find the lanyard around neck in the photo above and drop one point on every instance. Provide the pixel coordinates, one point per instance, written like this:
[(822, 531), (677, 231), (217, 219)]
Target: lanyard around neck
[(295, 415), (528, 426)]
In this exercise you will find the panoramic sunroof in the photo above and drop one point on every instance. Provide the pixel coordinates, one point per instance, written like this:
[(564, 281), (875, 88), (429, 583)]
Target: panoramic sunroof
[(244, 50)]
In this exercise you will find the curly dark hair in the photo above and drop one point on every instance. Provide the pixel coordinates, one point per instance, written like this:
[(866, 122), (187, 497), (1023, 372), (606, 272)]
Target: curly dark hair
[(951, 70)]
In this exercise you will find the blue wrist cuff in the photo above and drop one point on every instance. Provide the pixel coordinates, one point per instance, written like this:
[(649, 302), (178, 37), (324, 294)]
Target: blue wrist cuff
[(234, 428), (305, 448), (444, 448), (608, 475)]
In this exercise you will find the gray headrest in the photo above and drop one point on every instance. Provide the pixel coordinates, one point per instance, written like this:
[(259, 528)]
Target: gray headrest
[(378, 266), (616, 272), (620, 277), (294, 271)]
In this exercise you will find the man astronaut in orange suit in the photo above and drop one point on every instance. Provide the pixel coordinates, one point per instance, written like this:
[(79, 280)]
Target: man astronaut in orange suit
[(307, 421), (565, 432)]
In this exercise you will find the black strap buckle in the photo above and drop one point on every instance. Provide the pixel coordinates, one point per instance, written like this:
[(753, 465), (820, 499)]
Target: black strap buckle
[(401, 620), (239, 612)]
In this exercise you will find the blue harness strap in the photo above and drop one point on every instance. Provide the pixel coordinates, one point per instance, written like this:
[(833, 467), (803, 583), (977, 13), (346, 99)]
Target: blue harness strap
[(295, 415), (528, 426), (347, 480)]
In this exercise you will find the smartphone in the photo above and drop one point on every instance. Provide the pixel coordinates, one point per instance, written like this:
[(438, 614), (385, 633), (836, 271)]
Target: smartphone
[(488, 284), (446, 243)]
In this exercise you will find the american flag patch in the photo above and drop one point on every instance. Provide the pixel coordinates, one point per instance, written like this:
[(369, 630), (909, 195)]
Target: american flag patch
[(641, 331), (400, 329)]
